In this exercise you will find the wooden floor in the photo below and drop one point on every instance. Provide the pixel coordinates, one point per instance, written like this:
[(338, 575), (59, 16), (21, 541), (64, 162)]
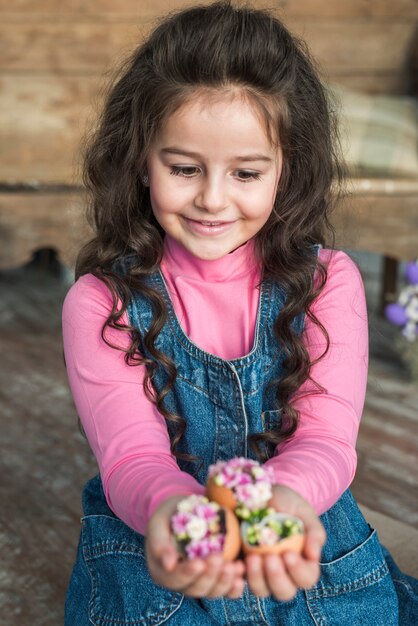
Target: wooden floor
[(44, 461)]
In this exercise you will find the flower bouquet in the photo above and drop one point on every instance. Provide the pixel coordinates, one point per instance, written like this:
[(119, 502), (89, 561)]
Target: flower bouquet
[(245, 486), (240, 482), (202, 528)]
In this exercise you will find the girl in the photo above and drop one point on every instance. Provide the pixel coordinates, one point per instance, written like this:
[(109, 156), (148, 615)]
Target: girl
[(208, 321)]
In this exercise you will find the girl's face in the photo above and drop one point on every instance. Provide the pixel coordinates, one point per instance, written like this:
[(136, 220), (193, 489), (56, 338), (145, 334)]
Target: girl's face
[(213, 175)]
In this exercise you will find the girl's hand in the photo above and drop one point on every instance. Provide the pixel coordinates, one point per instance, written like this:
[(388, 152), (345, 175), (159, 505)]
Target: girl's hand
[(282, 575), (210, 578)]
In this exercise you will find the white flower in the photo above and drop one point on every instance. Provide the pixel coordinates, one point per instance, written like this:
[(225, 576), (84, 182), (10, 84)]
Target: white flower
[(197, 529), (190, 502), (258, 472), (409, 331), (412, 309), (254, 496), (264, 490)]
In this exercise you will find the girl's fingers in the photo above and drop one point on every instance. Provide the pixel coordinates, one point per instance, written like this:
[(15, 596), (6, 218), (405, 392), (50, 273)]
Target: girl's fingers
[(224, 584), (203, 584), (278, 580), (219, 578), (237, 589), (238, 583), (181, 577), (255, 576), (315, 539), (167, 558), (302, 572)]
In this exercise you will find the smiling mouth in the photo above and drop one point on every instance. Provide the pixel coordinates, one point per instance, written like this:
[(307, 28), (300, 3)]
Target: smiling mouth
[(208, 222), (208, 227)]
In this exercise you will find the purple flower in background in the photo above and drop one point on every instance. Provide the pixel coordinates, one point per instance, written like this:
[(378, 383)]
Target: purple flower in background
[(411, 272), (396, 314), (404, 312)]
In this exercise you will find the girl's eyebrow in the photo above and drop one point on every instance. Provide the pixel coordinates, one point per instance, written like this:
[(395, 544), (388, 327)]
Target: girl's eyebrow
[(196, 155)]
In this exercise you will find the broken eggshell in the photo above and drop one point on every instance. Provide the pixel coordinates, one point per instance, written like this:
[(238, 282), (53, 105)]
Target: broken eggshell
[(220, 494), (274, 534), (232, 543)]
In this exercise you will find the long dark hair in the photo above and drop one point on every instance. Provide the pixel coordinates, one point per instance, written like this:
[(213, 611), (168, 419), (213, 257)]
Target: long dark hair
[(214, 47)]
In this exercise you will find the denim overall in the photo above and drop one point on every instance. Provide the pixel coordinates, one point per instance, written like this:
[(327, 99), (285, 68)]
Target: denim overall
[(224, 402)]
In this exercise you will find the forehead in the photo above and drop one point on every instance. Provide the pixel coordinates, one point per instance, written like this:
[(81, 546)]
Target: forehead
[(231, 114)]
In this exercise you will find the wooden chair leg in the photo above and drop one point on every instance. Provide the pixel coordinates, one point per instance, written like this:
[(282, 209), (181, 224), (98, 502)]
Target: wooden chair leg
[(389, 283)]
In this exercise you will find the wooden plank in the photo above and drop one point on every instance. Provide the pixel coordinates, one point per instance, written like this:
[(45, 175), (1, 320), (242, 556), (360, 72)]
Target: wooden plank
[(83, 48), (41, 124), (382, 186), (340, 46), (397, 537), (40, 490), (29, 221), (384, 224), (353, 9), (386, 83), (363, 47), (301, 8)]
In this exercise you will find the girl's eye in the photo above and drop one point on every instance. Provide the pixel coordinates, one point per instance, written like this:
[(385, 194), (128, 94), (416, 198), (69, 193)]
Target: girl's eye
[(188, 171), (247, 175)]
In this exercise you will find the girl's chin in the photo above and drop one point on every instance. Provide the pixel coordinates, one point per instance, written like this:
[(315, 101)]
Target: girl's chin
[(207, 251)]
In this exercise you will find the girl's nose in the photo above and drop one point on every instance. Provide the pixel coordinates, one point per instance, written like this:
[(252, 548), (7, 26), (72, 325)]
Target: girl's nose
[(212, 195)]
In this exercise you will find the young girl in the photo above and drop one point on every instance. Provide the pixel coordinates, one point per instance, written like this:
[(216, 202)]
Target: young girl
[(209, 321)]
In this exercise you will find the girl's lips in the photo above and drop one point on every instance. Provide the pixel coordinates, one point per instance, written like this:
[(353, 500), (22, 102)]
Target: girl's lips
[(208, 227)]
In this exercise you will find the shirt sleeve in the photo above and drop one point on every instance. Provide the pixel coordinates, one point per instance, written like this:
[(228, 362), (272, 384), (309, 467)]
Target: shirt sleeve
[(126, 433), (319, 461)]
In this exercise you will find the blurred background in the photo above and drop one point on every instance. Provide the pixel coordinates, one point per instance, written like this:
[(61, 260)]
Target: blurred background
[(55, 59)]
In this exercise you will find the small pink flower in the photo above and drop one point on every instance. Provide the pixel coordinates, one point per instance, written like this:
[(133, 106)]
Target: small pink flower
[(206, 512), (244, 479), (267, 536), (179, 522), (198, 549), (216, 543)]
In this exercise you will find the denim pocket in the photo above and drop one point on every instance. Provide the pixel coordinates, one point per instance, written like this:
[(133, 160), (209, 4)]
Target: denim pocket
[(355, 589), (122, 589)]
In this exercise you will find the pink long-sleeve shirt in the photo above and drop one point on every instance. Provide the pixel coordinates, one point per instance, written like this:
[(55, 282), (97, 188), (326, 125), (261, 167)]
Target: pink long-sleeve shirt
[(216, 303)]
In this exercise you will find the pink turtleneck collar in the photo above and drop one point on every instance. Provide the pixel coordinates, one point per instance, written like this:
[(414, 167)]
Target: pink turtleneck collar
[(232, 266), (215, 301)]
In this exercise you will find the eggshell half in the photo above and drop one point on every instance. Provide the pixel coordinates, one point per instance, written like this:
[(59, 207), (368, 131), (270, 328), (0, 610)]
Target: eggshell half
[(232, 544), (293, 543), (222, 495)]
